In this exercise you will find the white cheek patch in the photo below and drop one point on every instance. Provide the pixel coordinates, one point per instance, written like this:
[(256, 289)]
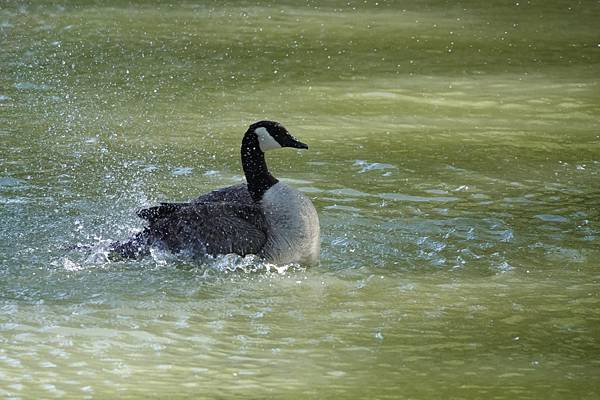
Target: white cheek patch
[(265, 140)]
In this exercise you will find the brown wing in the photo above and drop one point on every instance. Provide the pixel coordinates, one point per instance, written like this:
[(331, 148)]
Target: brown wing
[(235, 194), (231, 194), (206, 228)]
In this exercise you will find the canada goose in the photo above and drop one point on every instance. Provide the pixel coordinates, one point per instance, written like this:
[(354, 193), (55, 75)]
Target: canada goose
[(264, 217)]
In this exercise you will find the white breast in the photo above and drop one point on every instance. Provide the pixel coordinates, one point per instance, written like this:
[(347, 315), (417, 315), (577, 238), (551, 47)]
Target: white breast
[(293, 227)]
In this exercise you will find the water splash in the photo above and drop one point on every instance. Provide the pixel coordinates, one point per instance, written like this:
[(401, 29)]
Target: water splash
[(367, 166)]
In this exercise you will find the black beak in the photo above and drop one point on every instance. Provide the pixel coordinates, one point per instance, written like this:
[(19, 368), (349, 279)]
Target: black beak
[(293, 142), (300, 145)]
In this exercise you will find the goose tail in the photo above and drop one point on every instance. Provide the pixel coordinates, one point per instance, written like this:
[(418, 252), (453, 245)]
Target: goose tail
[(135, 247)]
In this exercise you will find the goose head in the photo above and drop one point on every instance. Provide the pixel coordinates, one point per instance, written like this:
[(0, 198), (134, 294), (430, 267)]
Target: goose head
[(272, 135), (260, 137)]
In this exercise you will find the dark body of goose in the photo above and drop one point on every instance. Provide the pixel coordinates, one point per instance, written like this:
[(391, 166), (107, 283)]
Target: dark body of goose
[(263, 216)]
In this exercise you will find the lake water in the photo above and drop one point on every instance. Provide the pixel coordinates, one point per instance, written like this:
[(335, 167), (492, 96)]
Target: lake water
[(454, 161)]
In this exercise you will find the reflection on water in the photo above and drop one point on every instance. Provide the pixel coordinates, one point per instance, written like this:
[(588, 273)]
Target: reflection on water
[(454, 161)]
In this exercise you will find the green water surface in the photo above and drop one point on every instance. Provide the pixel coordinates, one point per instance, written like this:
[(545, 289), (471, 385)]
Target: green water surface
[(454, 161)]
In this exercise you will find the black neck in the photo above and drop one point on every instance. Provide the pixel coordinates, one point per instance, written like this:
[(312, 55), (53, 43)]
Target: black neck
[(255, 168)]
